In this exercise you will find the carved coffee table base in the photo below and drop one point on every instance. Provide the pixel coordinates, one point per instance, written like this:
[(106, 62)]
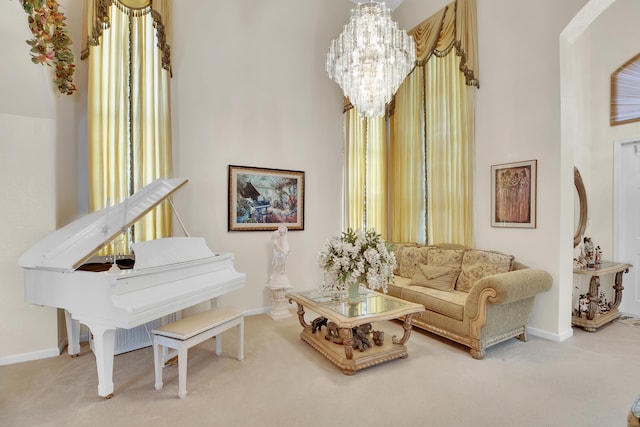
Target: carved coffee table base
[(350, 360)]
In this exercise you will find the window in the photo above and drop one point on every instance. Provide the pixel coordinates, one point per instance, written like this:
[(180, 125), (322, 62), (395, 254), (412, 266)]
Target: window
[(625, 93)]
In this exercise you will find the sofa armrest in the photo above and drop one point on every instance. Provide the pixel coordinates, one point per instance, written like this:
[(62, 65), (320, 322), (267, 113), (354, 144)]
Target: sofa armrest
[(505, 288)]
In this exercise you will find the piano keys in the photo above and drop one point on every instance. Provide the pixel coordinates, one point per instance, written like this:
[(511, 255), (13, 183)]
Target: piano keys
[(165, 276)]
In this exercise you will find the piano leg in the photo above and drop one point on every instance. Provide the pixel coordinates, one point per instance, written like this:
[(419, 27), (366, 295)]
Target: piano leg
[(73, 334), (104, 342)]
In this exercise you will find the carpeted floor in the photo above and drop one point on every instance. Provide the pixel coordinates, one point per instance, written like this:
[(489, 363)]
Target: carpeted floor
[(588, 380), (629, 320)]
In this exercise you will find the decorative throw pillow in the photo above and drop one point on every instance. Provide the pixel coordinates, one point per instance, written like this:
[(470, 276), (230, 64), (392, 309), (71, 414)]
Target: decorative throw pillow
[(410, 257), (477, 264), (446, 257), (437, 277), (400, 249)]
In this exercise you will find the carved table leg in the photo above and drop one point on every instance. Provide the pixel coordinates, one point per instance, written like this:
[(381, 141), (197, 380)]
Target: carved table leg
[(407, 330), (594, 299), (301, 315), (348, 343), (617, 287)]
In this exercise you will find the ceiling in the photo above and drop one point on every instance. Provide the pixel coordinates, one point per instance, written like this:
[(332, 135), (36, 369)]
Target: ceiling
[(391, 4)]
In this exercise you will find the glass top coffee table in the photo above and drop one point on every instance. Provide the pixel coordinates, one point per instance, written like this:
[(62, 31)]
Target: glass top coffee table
[(344, 331)]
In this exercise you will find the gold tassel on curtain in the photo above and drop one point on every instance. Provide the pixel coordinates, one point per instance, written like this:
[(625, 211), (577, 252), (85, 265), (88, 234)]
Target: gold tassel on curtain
[(96, 20)]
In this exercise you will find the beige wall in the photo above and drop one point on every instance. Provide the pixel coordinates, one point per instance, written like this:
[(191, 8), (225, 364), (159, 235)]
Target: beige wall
[(42, 137), (252, 92), (249, 88), (27, 147), (613, 39)]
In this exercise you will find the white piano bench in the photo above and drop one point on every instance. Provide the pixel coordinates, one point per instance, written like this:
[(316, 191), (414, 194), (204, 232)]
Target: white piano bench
[(189, 331)]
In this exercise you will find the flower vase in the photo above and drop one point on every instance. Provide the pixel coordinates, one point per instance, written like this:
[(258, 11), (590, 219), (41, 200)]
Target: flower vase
[(354, 292)]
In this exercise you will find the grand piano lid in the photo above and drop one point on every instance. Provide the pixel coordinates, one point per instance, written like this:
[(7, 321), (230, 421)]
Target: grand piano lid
[(70, 246)]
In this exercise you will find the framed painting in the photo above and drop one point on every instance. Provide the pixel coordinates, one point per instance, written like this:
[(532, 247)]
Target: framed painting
[(513, 194), (265, 199)]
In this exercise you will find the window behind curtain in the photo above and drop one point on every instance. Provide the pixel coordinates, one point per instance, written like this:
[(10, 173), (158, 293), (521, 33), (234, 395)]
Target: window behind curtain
[(129, 120)]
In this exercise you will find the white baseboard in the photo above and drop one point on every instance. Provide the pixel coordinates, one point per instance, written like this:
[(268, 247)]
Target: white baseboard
[(26, 357), (549, 336), (255, 311), (40, 354)]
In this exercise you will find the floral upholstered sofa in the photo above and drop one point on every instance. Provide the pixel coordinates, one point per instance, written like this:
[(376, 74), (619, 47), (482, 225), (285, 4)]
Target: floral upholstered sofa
[(475, 297)]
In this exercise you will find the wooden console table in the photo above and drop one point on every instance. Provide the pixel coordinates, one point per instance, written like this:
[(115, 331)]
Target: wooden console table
[(594, 319)]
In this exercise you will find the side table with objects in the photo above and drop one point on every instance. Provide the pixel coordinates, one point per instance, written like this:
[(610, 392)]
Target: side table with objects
[(595, 317), (344, 331)]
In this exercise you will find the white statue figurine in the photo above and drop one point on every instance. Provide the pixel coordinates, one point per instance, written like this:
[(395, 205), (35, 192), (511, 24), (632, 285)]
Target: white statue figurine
[(280, 253)]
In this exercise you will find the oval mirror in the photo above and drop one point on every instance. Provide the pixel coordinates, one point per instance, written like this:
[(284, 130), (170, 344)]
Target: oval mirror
[(580, 208)]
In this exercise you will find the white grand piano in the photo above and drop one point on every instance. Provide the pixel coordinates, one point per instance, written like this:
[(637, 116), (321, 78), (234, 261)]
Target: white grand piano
[(168, 275)]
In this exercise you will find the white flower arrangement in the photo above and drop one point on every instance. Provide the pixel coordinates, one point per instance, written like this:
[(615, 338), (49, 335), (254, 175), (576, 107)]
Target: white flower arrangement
[(358, 257)]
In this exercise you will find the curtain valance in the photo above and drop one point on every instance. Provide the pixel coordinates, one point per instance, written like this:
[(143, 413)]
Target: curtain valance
[(96, 20), (452, 26)]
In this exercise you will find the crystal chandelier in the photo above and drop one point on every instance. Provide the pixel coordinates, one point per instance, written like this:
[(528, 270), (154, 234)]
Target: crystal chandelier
[(371, 58)]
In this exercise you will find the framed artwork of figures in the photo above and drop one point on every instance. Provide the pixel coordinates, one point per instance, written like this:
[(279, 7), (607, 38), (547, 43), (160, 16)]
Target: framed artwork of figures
[(513, 194), (265, 199)]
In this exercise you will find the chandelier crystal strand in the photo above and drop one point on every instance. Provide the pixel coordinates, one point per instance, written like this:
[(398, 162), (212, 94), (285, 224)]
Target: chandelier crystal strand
[(371, 58)]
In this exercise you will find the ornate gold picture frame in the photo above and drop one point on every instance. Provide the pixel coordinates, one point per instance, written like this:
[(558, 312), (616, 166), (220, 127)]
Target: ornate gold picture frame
[(513, 194), (265, 199)]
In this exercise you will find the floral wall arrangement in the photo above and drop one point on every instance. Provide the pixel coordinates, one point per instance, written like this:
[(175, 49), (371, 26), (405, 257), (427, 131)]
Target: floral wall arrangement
[(50, 42)]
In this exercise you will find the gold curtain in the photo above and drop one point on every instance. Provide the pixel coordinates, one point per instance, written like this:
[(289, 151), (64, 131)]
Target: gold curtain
[(356, 153), (366, 153), (406, 163), (376, 215), (96, 20), (452, 26), (129, 118), (447, 56), (449, 152), (430, 150)]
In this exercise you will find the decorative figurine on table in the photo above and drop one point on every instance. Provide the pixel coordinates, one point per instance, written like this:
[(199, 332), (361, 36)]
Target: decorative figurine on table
[(590, 256), (378, 337), (360, 339), (583, 304), (588, 252), (333, 333), (318, 323), (603, 305)]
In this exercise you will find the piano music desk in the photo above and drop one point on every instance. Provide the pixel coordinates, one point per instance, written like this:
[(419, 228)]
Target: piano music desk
[(189, 331)]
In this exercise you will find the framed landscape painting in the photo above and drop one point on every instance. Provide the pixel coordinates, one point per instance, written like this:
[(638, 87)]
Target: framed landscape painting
[(513, 194), (265, 199)]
